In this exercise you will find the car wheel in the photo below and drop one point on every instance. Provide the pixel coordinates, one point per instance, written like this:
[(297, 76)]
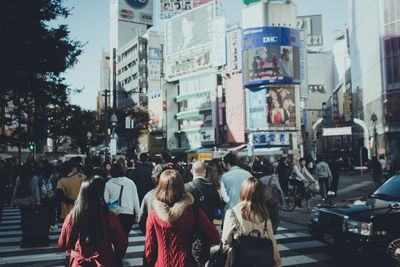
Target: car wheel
[(393, 250)]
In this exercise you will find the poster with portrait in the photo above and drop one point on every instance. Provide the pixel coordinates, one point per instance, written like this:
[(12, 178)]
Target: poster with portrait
[(190, 29), (271, 55), (171, 8), (280, 106)]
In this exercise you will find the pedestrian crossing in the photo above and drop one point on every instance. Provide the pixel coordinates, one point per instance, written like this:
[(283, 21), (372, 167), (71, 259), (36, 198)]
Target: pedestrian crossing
[(297, 248)]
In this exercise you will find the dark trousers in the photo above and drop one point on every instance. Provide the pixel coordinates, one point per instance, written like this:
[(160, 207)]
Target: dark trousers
[(126, 221), (49, 205), (283, 181), (335, 183), (300, 191), (274, 216), (323, 186)]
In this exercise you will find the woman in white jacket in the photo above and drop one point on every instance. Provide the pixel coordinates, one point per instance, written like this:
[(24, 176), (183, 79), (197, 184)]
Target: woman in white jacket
[(252, 214), (123, 190)]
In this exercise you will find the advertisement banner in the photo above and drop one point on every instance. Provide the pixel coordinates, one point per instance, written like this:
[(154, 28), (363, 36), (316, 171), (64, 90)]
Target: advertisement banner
[(336, 131), (155, 107), (257, 108), (189, 30), (234, 98), (137, 11), (347, 107), (271, 55), (179, 66), (281, 106), (271, 138), (218, 44), (207, 136), (171, 8), (233, 50), (312, 25)]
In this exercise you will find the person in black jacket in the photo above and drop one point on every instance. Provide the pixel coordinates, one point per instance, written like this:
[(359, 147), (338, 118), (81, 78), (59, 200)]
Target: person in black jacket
[(376, 168), (142, 176), (205, 194), (283, 173)]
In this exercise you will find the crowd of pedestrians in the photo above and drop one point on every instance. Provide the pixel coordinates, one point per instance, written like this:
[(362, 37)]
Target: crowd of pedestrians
[(182, 209)]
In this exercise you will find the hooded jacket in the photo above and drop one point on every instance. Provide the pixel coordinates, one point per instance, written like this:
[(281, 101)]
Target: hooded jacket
[(129, 201), (169, 232)]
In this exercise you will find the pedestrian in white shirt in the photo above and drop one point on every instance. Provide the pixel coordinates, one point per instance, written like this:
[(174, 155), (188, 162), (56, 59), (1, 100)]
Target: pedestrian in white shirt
[(123, 190)]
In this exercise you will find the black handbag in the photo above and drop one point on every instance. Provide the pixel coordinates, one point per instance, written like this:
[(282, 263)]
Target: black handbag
[(218, 258), (252, 250), (200, 245)]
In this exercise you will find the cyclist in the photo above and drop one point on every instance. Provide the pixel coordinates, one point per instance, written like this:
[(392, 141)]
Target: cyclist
[(301, 175)]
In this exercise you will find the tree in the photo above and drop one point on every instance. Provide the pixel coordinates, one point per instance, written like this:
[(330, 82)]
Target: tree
[(35, 54), (80, 123)]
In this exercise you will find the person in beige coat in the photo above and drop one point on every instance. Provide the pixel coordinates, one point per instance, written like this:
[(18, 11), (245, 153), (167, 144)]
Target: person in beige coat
[(251, 212)]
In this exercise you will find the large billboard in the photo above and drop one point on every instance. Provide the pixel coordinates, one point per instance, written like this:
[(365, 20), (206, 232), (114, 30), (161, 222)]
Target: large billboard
[(270, 55), (273, 108), (234, 97), (189, 30), (171, 8), (312, 25), (234, 50), (138, 11), (257, 108)]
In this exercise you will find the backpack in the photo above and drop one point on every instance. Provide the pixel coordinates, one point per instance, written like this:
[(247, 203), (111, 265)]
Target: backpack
[(46, 189), (273, 195), (23, 194), (321, 171), (251, 250)]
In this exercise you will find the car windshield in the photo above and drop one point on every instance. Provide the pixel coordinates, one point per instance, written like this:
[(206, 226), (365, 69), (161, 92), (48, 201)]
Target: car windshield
[(391, 188)]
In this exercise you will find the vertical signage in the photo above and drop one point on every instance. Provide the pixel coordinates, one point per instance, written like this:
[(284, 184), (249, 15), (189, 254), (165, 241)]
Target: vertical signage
[(257, 109)]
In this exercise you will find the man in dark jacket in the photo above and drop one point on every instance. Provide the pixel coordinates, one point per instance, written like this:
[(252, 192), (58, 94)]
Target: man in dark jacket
[(207, 198), (205, 194), (142, 176)]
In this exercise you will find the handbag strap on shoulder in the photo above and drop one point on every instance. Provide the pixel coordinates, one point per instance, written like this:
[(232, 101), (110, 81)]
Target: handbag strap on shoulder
[(237, 221)]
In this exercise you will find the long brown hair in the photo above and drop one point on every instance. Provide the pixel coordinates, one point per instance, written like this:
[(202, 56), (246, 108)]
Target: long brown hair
[(170, 187), (212, 175), (252, 194)]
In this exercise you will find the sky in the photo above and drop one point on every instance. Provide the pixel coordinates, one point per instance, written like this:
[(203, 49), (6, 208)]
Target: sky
[(89, 23)]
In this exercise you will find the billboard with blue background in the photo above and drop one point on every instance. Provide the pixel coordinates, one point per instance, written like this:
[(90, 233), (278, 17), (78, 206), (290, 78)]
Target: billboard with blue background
[(270, 55), (257, 108)]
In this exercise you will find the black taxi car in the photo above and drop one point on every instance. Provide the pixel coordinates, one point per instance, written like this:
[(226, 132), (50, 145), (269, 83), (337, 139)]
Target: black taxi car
[(370, 223)]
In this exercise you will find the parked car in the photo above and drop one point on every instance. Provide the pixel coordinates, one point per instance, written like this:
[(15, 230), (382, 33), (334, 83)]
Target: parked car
[(371, 223)]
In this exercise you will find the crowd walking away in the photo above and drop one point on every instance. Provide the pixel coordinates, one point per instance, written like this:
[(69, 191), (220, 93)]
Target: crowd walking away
[(222, 212)]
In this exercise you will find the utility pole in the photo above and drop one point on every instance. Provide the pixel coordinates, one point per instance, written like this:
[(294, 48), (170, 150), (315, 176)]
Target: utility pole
[(106, 141), (114, 80)]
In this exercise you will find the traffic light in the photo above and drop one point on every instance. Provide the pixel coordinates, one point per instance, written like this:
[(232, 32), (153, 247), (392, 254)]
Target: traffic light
[(31, 145)]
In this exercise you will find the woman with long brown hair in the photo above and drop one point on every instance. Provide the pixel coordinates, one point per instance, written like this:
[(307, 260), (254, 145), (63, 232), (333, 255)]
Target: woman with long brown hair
[(170, 225), (249, 215)]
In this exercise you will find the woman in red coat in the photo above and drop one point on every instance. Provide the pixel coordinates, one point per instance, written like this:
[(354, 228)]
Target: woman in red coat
[(169, 227), (90, 229)]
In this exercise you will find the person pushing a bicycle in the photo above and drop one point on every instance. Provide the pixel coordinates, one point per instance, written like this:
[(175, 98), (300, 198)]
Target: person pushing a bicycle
[(300, 175)]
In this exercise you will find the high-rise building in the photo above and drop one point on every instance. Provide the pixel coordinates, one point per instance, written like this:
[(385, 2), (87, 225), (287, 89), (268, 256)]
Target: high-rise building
[(375, 70)]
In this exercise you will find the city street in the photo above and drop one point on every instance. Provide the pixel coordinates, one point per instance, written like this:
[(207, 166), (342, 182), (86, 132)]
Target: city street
[(296, 246)]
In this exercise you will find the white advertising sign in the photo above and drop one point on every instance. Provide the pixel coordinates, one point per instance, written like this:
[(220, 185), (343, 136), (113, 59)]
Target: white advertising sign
[(138, 11), (207, 136), (336, 131), (218, 45), (113, 146), (271, 138)]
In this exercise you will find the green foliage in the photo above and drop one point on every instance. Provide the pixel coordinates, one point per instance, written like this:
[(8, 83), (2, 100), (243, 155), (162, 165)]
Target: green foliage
[(35, 55)]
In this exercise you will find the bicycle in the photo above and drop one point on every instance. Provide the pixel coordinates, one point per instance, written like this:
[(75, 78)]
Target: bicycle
[(309, 197)]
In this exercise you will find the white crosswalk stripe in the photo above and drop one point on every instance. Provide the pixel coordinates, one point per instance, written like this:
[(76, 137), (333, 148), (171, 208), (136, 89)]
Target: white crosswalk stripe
[(296, 248)]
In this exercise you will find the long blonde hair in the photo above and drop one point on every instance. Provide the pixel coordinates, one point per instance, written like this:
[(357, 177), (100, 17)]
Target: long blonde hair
[(253, 199)]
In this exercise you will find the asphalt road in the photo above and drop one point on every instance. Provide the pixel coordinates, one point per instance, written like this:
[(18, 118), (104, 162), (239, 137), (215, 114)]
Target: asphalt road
[(351, 185)]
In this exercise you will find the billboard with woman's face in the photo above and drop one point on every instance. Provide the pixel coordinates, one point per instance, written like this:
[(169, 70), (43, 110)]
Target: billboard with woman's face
[(279, 110), (270, 55)]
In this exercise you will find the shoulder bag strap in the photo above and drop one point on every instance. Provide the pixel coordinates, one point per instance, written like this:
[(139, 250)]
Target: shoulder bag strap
[(237, 221), (120, 195), (270, 180)]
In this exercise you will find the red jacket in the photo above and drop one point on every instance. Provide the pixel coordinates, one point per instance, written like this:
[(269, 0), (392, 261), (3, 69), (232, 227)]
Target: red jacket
[(100, 254), (169, 232)]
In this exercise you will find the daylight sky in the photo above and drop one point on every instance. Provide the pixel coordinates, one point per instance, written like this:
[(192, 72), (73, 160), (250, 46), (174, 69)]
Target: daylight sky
[(88, 23)]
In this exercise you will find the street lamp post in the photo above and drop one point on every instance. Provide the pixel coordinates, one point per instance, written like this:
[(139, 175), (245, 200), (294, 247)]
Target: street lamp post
[(114, 121), (89, 136), (374, 120)]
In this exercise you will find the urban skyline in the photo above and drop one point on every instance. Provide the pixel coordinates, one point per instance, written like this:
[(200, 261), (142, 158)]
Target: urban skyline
[(334, 16)]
